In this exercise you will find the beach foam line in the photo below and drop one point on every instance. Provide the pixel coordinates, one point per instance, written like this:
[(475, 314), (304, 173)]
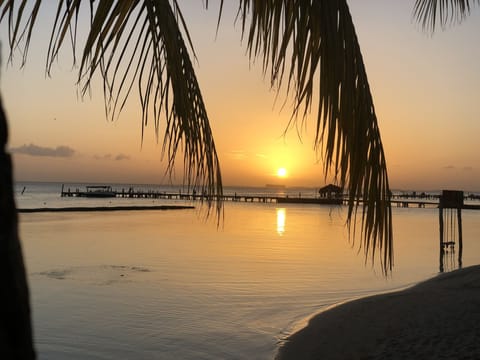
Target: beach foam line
[(435, 319), (106, 208)]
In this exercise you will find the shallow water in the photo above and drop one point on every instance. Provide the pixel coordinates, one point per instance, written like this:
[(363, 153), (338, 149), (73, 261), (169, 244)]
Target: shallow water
[(167, 284)]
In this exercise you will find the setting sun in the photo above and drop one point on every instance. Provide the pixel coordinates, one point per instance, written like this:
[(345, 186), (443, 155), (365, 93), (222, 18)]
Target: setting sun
[(282, 172)]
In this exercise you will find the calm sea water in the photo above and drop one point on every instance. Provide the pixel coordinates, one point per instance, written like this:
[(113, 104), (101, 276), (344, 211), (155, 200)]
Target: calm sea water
[(170, 285)]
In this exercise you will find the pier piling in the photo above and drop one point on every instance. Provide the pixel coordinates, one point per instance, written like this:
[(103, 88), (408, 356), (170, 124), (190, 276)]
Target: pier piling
[(450, 200)]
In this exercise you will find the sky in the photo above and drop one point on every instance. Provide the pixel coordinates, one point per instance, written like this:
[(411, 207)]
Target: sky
[(425, 88)]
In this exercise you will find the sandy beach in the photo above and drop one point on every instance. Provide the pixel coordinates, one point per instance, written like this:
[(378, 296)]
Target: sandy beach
[(436, 319)]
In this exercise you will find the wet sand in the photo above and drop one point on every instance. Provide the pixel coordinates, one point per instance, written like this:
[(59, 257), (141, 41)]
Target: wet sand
[(436, 319)]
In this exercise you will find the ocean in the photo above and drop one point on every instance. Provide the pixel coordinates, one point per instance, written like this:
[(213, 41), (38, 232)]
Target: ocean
[(172, 284)]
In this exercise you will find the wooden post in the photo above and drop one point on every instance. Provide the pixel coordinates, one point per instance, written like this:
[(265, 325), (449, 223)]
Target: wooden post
[(440, 221), (460, 240), (451, 199)]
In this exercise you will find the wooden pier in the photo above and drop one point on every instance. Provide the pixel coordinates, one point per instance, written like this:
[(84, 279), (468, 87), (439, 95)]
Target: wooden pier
[(131, 193), (152, 194), (417, 203)]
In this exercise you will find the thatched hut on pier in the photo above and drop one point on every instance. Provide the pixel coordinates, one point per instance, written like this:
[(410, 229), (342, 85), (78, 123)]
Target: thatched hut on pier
[(330, 191)]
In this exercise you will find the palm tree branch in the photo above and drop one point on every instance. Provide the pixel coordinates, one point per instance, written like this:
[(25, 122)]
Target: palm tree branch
[(62, 26), (431, 13), (170, 68), (155, 56), (320, 40)]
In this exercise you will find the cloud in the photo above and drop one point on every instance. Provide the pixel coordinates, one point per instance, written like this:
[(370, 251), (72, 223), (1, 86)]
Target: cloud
[(120, 157), (238, 154), (35, 150), (244, 155), (452, 167), (102, 157)]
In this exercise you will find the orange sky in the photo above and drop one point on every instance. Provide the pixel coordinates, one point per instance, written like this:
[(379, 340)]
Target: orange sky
[(426, 92)]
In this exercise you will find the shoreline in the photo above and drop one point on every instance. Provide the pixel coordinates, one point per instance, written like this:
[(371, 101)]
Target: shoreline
[(106, 208), (437, 318)]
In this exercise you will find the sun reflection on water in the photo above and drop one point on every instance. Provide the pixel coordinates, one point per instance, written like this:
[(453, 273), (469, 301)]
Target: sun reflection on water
[(281, 215)]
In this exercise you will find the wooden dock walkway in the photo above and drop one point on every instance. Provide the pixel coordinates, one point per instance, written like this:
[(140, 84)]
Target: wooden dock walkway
[(131, 193), (152, 194)]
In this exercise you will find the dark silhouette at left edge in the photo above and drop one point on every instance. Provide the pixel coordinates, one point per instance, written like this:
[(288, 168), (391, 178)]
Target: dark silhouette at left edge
[(16, 336)]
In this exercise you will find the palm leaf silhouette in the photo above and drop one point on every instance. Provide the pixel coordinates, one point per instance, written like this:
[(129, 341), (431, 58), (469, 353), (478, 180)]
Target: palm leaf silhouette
[(138, 44), (299, 40), (431, 12)]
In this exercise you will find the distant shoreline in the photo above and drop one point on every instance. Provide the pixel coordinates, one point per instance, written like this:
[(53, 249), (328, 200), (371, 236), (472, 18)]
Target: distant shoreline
[(106, 208)]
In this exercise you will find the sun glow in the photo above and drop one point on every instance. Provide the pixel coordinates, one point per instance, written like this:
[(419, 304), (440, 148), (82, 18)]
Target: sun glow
[(282, 172)]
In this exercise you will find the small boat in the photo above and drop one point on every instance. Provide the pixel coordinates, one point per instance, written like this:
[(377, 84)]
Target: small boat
[(99, 191)]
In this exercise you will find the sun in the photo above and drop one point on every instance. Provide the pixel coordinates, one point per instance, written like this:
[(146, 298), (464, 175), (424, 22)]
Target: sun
[(282, 172)]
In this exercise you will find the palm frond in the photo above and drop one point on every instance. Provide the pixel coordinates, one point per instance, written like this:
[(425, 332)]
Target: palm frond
[(320, 40), (17, 31), (140, 44), (160, 67), (431, 12)]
